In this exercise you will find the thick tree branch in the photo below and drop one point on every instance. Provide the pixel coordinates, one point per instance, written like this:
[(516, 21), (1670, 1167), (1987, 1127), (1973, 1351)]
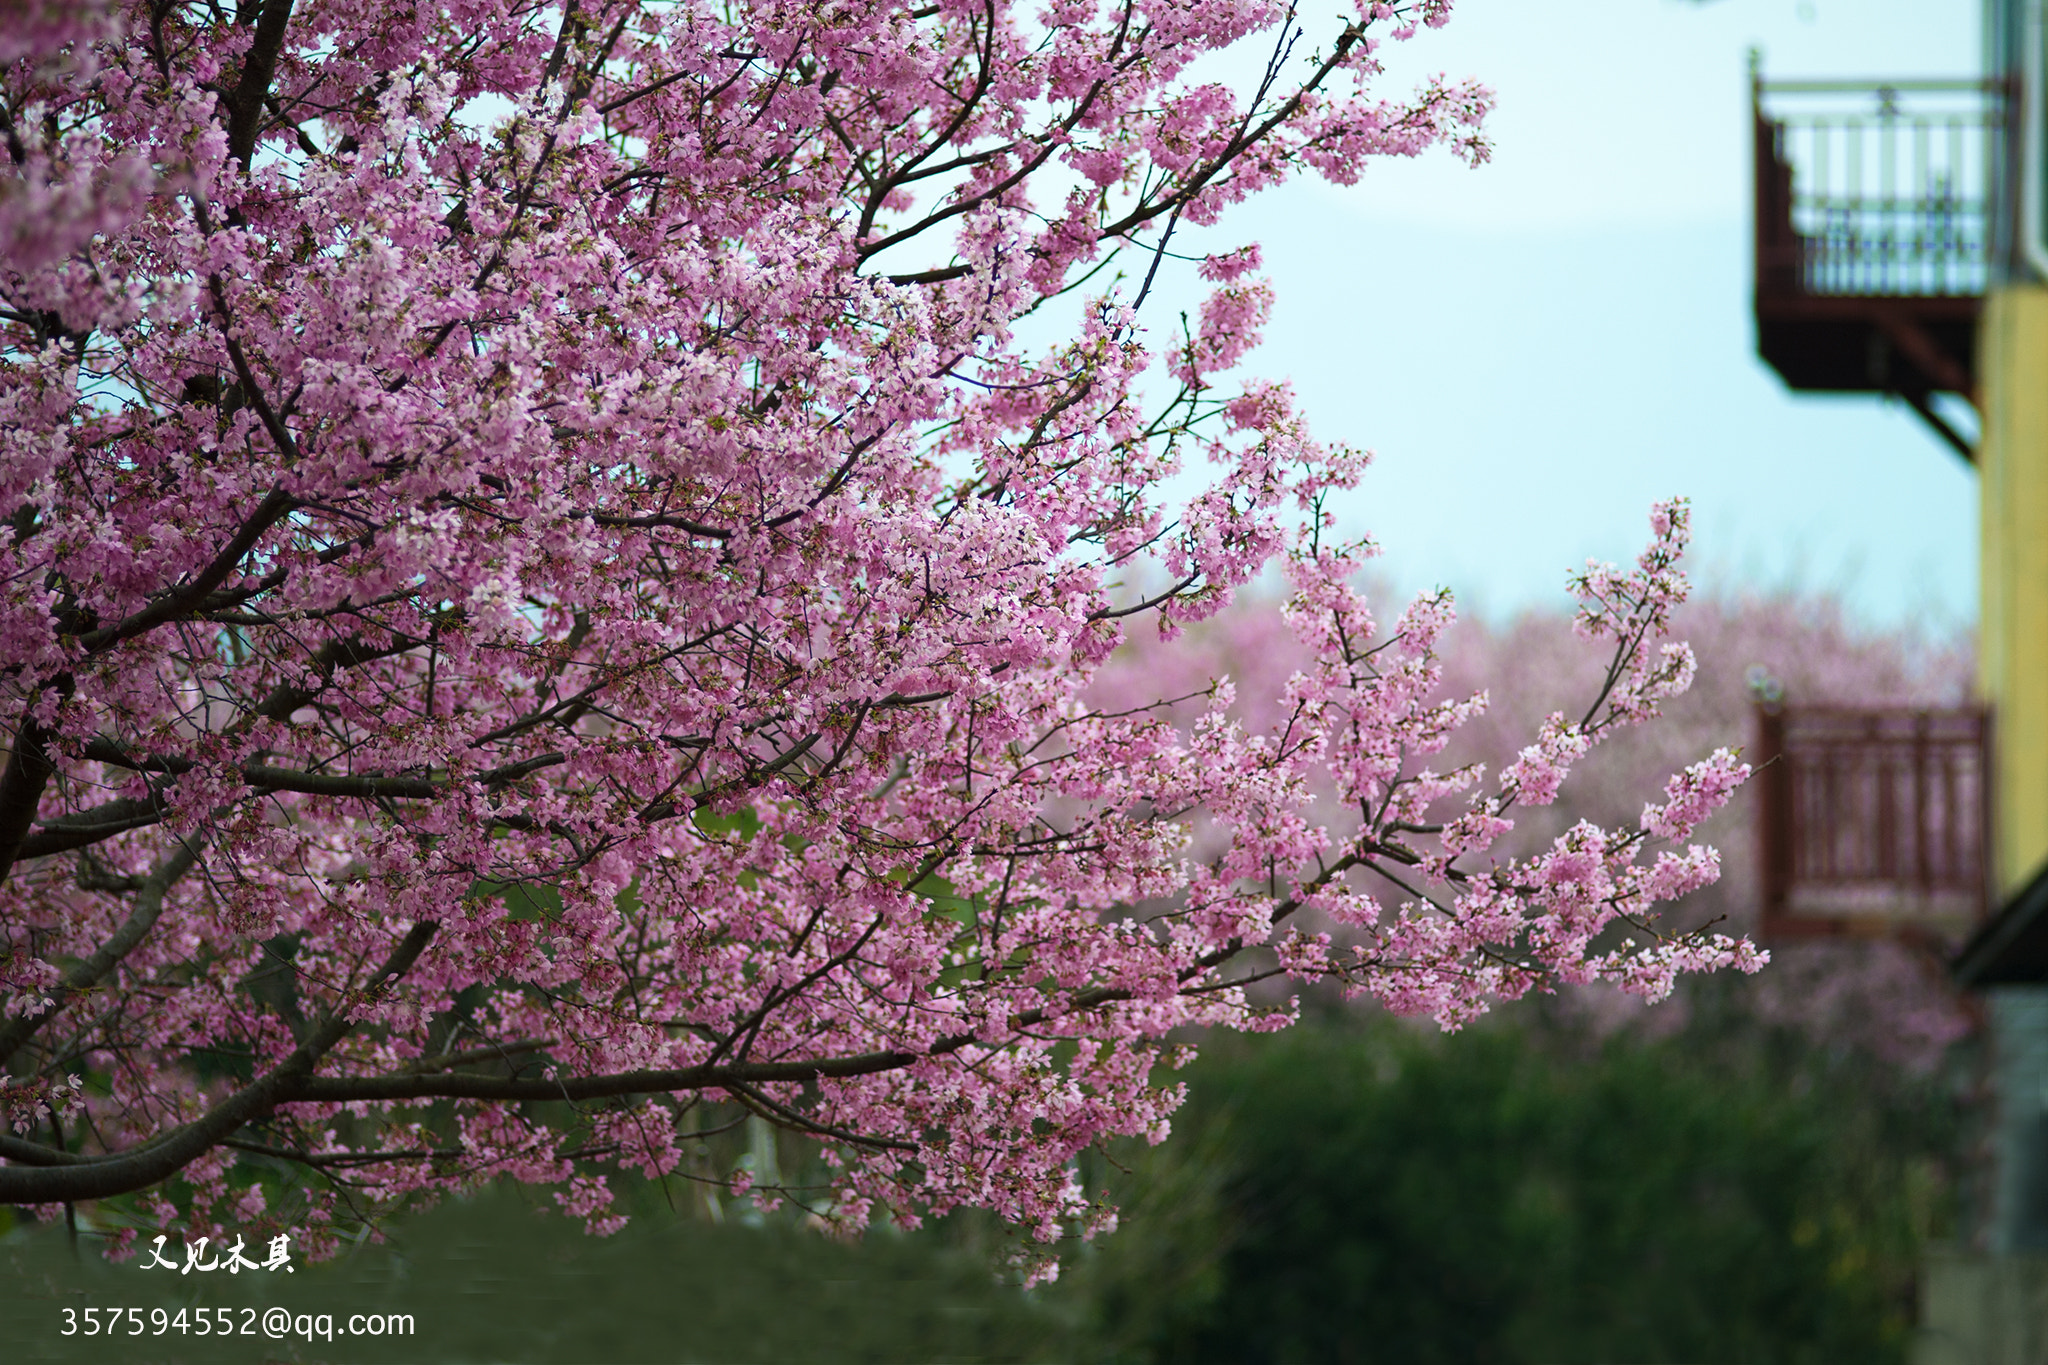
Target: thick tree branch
[(90, 827), (149, 904), (245, 102), (61, 834), (160, 1160), (22, 782), (183, 600)]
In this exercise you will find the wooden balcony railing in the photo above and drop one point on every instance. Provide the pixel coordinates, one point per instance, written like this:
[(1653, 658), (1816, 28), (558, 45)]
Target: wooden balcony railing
[(1873, 822)]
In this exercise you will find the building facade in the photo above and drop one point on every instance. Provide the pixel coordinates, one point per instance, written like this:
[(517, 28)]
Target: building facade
[(1902, 249)]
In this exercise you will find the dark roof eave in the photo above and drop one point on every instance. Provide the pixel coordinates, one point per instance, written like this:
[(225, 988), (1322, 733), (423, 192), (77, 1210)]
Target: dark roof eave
[(2012, 948)]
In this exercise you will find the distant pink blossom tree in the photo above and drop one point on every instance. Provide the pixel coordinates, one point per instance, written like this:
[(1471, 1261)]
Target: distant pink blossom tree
[(1886, 998), (543, 590)]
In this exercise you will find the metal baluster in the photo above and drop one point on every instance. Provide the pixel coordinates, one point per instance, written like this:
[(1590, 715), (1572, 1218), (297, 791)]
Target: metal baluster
[(1885, 260), (1819, 138), (1854, 199), (1923, 189)]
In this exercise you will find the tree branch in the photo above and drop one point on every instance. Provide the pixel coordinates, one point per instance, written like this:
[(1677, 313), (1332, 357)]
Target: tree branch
[(193, 594), (245, 102), (149, 904), (28, 772), (160, 1160)]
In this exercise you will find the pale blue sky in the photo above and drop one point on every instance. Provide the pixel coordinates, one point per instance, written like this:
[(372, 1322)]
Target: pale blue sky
[(1539, 348)]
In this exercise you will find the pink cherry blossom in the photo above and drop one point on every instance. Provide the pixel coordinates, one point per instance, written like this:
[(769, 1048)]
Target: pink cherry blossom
[(541, 592)]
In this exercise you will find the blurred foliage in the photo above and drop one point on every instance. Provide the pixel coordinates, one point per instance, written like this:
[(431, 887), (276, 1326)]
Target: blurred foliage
[(1351, 1190), (1376, 1193)]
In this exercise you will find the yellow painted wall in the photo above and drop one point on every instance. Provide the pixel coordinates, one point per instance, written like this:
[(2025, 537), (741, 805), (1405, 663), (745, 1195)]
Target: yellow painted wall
[(2012, 463)]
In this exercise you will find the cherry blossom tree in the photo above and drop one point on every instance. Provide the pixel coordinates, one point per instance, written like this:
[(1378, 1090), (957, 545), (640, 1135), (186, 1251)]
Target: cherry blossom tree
[(545, 593)]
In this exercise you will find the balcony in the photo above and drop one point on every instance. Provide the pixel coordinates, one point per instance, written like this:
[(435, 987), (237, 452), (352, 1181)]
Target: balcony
[(1878, 229), (1874, 823)]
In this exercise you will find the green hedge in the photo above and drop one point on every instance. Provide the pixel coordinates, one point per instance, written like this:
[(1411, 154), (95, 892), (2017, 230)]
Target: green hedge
[(1381, 1195)]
